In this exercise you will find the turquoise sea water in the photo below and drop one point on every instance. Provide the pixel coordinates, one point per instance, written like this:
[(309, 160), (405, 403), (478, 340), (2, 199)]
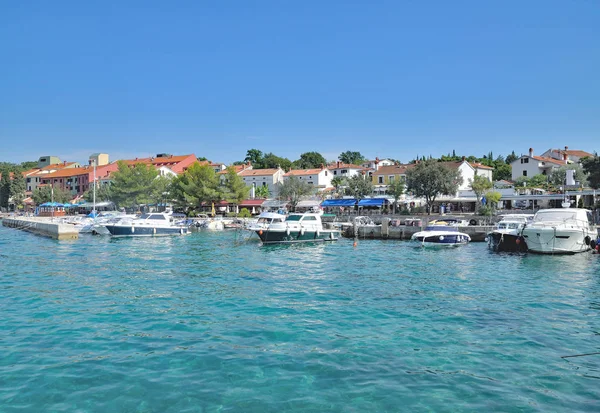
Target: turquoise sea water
[(202, 324)]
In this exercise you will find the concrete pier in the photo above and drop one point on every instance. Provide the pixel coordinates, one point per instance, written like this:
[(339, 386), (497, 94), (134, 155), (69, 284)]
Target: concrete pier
[(41, 226), (403, 232)]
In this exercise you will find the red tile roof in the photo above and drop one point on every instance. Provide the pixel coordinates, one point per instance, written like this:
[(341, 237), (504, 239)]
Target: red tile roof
[(259, 172), (301, 172), (551, 160), (67, 172), (238, 169), (480, 166), (393, 169), (339, 165)]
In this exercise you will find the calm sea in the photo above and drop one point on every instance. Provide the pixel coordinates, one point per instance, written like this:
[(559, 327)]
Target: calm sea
[(205, 323)]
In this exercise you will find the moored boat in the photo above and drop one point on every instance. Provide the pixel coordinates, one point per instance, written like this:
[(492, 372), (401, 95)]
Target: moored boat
[(151, 224), (305, 227), (560, 231), (507, 236), (440, 235)]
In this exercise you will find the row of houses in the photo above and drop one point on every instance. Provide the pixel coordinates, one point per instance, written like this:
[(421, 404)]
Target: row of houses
[(77, 179)]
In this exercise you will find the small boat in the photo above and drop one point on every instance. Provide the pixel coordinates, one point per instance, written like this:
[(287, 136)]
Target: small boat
[(440, 235), (298, 227), (148, 225), (507, 236), (560, 231)]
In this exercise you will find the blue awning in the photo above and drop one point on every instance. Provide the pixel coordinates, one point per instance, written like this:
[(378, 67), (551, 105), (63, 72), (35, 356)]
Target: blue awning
[(338, 203), (372, 202)]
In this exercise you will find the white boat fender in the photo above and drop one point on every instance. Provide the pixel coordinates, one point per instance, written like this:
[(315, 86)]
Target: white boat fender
[(181, 231), (287, 231), (154, 231), (318, 233), (302, 231), (441, 237), (331, 235), (132, 229)]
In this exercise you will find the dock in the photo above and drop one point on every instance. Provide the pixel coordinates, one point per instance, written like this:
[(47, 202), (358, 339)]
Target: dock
[(478, 233), (42, 226)]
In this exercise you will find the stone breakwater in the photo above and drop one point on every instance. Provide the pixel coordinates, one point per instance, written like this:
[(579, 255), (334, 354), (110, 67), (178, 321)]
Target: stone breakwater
[(478, 233), (42, 226)]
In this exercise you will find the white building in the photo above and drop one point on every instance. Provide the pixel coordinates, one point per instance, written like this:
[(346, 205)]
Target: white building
[(569, 155), (319, 178), (376, 163), (483, 170), (530, 165), (344, 170), (270, 178)]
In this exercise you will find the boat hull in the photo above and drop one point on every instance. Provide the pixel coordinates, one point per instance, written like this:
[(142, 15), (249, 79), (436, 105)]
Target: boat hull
[(290, 237), (139, 231), (507, 242), (441, 240), (556, 241)]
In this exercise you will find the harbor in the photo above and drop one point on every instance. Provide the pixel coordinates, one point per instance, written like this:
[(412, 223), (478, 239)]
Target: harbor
[(206, 321)]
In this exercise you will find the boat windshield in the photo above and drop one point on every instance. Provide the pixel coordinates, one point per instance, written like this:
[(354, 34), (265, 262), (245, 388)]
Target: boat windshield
[(294, 218), (441, 228), (508, 225), (553, 216)]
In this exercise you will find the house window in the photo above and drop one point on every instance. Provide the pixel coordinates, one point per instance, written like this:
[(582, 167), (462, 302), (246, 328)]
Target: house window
[(391, 179), (325, 173), (380, 179), (264, 184), (524, 173), (335, 172), (526, 160), (344, 171), (312, 183)]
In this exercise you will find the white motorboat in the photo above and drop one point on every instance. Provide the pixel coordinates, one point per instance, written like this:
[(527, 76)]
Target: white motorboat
[(305, 227), (265, 219), (440, 235), (560, 231), (507, 235), (151, 224)]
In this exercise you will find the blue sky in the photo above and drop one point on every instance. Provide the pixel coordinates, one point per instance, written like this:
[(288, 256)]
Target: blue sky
[(386, 78)]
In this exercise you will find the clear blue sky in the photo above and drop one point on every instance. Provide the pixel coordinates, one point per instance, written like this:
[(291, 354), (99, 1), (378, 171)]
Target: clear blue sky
[(386, 78)]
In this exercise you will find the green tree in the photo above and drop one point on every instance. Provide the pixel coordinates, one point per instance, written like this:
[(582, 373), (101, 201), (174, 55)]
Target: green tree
[(493, 198), (160, 191), (511, 158), (338, 182), (502, 171), (234, 188), (310, 160), (480, 185), (293, 189), (350, 157), (197, 185), (17, 189), (359, 186), (46, 194), (262, 191), (103, 193), (4, 187), (396, 189), (133, 186), (255, 157), (429, 179), (558, 175), (538, 181), (270, 160), (591, 166)]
